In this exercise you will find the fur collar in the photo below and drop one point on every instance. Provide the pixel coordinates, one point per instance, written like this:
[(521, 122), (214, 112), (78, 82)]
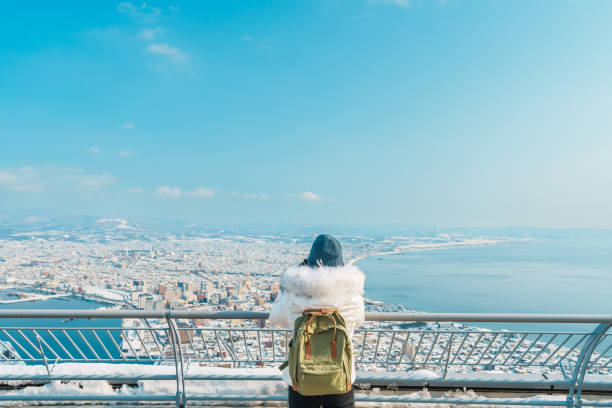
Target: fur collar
[(324, 283), (312, 288)]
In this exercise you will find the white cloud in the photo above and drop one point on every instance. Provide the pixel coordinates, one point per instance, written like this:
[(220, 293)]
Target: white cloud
[(124, 154), (171, 55), (309, 196), (253, 196), (206, 192), (201, 192), (246, 37), (149, 34), (176, 192), (142, 14), (51, 179), (169, 192), (94, 149), (6, 178), (128, 125), (135, 190)]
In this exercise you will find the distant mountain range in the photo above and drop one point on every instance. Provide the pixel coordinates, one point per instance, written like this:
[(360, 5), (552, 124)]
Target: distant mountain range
[(22, 225)]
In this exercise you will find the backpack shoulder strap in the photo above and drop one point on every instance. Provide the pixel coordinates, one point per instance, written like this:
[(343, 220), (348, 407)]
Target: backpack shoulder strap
[(282, 366)]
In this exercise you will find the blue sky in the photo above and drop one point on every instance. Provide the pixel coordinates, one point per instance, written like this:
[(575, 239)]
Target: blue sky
[(470, 113)]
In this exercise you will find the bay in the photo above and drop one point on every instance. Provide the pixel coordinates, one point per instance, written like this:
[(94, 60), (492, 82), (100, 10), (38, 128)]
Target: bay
[(568, 274)]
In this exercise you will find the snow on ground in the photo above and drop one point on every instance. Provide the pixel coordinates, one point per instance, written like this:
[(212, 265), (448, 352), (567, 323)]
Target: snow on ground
[(227, 387), (109, 294)]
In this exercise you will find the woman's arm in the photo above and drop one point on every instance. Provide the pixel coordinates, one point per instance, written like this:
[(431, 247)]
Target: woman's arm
[(279, 312), (353, 313)]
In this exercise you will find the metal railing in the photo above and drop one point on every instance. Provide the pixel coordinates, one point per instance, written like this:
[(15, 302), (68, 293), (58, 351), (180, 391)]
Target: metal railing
[(152, 342)]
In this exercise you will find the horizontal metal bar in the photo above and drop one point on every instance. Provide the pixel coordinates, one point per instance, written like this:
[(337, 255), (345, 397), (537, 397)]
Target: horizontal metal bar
[(256, 329), (283, 397), (130, 314), (361, 378), (279, 359), (373, 316), (86, 397), (490, 317), (389, 398), (86, 377)]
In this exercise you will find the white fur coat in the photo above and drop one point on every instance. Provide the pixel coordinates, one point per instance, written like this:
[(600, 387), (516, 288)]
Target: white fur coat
[(302, 287)]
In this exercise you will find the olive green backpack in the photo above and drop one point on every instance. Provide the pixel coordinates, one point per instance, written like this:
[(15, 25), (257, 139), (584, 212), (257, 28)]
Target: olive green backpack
[(320, 354)]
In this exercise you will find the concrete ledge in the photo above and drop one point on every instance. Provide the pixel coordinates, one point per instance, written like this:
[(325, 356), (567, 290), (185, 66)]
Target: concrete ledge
[(133, 373)]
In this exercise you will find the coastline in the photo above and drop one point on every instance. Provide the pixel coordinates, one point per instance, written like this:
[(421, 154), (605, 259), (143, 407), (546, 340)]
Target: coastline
[(88, 297), (35, 297), (418, 247), (362, 257)]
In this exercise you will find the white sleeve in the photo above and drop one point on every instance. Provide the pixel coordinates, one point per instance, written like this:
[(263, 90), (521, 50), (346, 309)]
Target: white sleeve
[(353, 313), (279, 312)]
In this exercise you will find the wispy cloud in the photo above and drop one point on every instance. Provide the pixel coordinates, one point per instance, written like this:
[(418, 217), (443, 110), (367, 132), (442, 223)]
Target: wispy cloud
[(142, 14), (201, 192), (149, 34), (170, 55), (253, 196), (125, 154), (94, 149), (176, 192), (51, 179), (128, 125), (169, 192), (309, 196)]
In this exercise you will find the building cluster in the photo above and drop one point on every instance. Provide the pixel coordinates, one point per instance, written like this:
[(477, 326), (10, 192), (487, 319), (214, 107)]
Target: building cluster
[(224, 272)]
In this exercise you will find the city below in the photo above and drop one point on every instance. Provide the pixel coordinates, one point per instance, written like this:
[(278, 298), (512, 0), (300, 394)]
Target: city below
[(121, 265)]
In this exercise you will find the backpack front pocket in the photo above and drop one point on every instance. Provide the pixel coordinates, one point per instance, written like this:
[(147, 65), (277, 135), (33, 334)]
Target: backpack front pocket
[(321, 381)]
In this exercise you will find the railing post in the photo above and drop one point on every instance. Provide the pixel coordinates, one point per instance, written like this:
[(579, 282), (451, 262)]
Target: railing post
[(175, 342), (582, 364), (42, 352), (448, 355), (585, 363)]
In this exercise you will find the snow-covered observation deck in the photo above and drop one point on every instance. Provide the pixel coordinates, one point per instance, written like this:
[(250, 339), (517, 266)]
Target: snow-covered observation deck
[(196, 356)]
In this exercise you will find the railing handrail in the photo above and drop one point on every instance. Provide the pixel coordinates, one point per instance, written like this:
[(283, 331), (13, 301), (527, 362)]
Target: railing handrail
[(575, 351), (247, 315)]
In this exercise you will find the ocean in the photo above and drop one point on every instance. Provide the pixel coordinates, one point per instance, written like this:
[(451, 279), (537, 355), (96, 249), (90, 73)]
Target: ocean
[(564, 274), (18, 340)]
